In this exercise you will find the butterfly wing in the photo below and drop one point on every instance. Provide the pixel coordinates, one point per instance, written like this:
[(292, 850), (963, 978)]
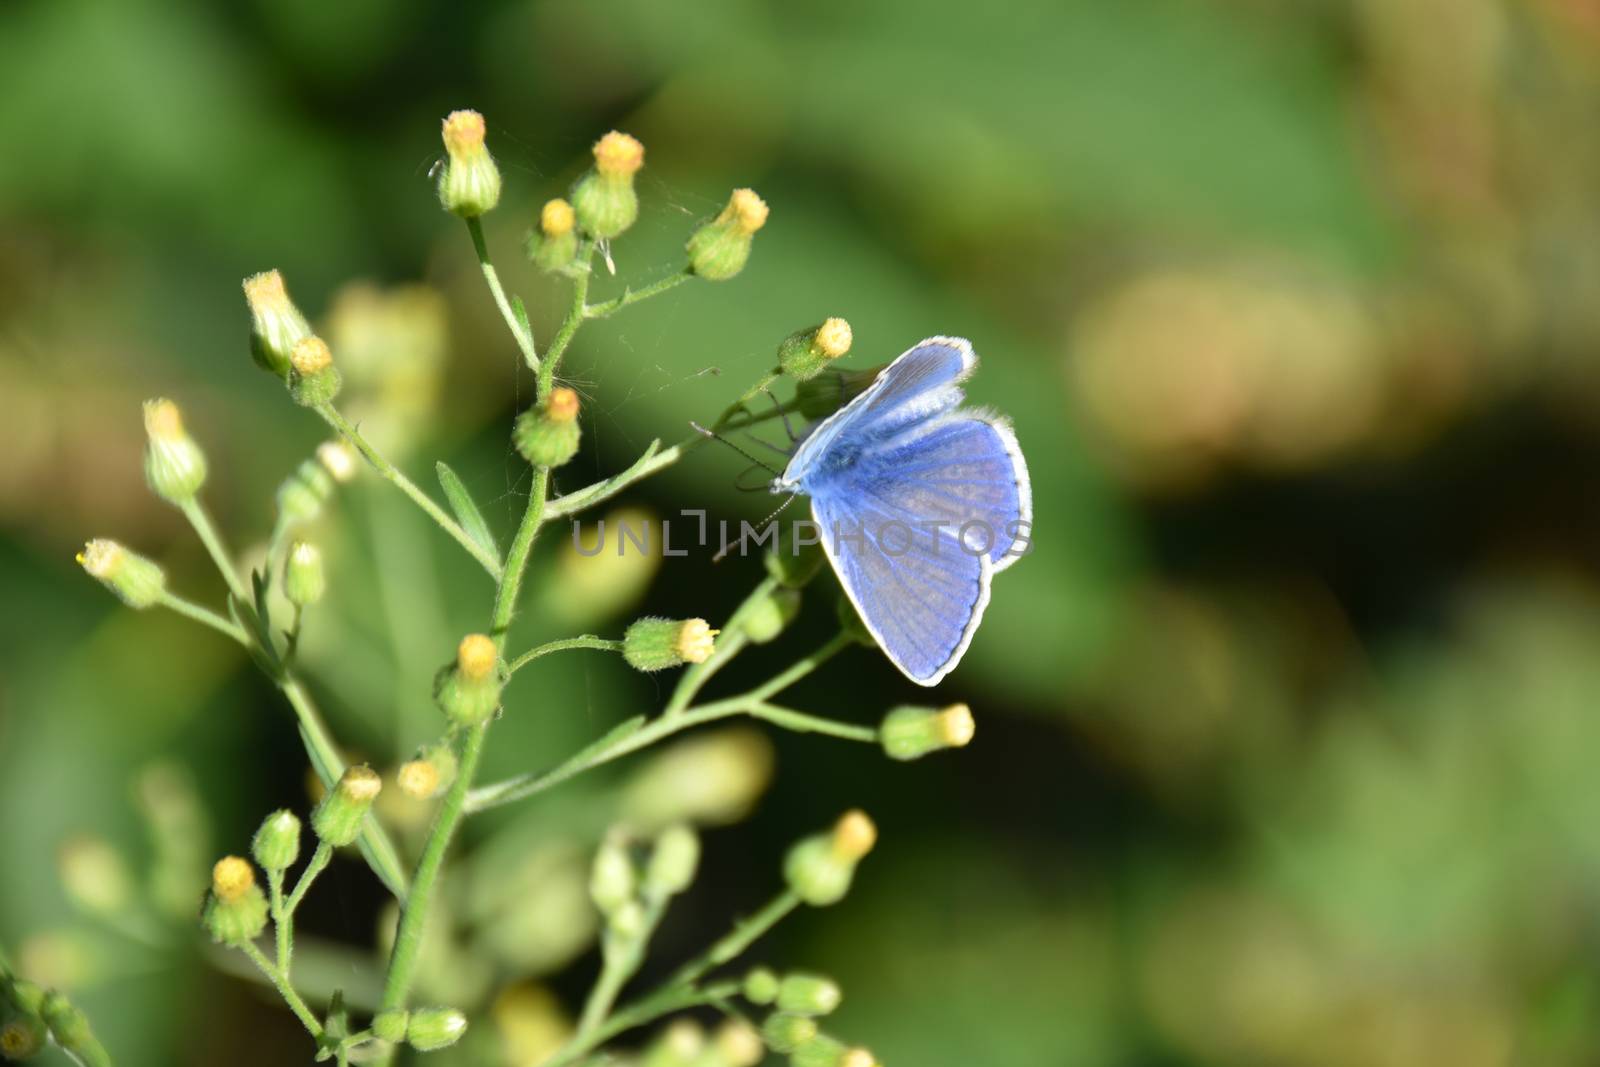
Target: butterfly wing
[(917, 527)]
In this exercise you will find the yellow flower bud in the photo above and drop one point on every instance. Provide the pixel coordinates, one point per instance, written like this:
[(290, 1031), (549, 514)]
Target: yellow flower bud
[(604, 201), (276, 324), (174, 466), (719, 249), (468, 689), (313, 379), (469, 184), (137, 581), (804, 354)]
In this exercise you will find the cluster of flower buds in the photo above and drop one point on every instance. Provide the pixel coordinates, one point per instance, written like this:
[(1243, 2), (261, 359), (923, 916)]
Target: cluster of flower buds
[(138, 582), (304, 493), (424, 1029), (652, 644), (909, 733), (469, 181), (468, 688), (604, 200), (548, 435), (719, 249), (277, 326), (684, 1043), (797, 1001), (806, 353), (31, 1016), (819, 868), (626, 891), (430, 773), (236, 909), (337, 818)]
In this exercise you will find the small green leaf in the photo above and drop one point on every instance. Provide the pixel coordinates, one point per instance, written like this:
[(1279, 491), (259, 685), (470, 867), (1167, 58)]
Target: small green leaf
[(467, 512), (522, 318)]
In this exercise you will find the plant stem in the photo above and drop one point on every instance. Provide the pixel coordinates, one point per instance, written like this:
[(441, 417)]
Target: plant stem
[(731, 945), (602, 644), (652, 1007), (195, 512), (733, 639), (620, 961), (801, 723), (505, 599), (513, 321), (284, 935), (319, 860), (204, 616), (574, 319), (281, 983), (389, 472), (633, 296)]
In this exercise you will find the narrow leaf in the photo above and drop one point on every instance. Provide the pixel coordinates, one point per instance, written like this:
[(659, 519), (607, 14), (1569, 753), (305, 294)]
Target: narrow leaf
[(467, 512)]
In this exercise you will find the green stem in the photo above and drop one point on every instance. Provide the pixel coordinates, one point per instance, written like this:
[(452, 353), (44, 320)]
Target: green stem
[(204, 616), (733, 944), (414, 914), (281, 983), (620, 962), (752, 703), (733, 639), (657, 1004), (195, 512), (505, 600), (280, 928), (375, 843), (574, 319), (633, 296), (601, 644), (319, 860), (523, 337), (392, 474)]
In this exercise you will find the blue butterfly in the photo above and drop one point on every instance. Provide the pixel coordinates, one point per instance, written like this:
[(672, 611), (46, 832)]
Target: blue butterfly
[(918, 504)]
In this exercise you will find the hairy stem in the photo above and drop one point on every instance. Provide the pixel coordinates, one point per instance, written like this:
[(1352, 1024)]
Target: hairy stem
[(602, 644), (392, 474), (195, 512), (280, 982), (633, 296), (523, 337), (204, 616)]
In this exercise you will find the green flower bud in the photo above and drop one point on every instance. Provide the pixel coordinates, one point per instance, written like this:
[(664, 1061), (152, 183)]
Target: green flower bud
[(27, 997), (69, 1026), (277, 843), (654, 644), (824, 1051), (22, 1037), (785, 1033), (761, 986), (303, 494), (808, 994), (771, 614), (236, 910), (554, 246), (827, 392), (276, 324), (819, 868), (626, 925), (303, 580), (612, 879), (95, 876), (806, 354), (547, 436), (137, 581), (337, 818), (792, 562), (679, 1045), (174, 466), (468, 690), (910, 733), (850, 622), (313, 379), (719, 249), (435, 1028), (469, 183), (672, 862), (711, 779), (739, 1044), (604, 199), (390, 1025)]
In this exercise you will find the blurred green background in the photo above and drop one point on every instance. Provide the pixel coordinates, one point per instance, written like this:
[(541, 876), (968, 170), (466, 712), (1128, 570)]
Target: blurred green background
[(1287, 728)]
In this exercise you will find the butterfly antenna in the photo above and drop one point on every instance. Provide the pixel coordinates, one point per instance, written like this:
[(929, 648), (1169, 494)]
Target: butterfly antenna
[(739, 544), (783, 416), (702, 431)]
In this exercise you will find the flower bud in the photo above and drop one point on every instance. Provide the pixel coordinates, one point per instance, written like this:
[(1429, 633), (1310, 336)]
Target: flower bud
[(390, 1025), (277, 843), (276, 325), (27, 997), (612, 879), (95, 876), (679, 1045), (626, 925), (303, 580), (785, 1033), (313, 379), (760, 986), (547, 435), (831, 389), (653, 644), (336, 819), (431, 773), (305, 491), (910, 733), (672, 862), (468, 690), (719, 249), (806, 354), (739, 1044), (22, 1037), (137, 581), (771, 614), (604, 199), (70, 1027), (824, 1051), (808, 994), (174, 466), (554, 245), (819, 868), (435, 1028), (236, 910), (711, 779), (469, 184)]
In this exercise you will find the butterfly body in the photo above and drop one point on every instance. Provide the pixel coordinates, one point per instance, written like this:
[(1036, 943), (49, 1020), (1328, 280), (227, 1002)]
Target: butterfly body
[(918, 503)]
